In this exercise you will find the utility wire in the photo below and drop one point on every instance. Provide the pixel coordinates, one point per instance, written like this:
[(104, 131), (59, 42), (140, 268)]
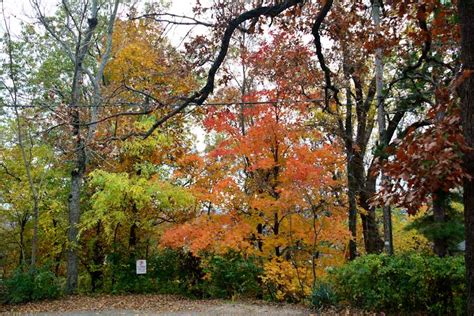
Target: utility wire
[(139, 105), (122, 105)]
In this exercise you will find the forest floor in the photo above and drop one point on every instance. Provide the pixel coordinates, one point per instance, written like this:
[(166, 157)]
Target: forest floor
[(128, 305)]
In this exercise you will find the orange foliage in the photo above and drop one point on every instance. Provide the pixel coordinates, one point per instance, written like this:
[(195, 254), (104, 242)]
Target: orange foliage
[(217, 233), (271, 185)]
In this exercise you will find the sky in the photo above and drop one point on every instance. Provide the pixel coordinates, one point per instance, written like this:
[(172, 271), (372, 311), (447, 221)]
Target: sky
[(21, 10), (17, 11)]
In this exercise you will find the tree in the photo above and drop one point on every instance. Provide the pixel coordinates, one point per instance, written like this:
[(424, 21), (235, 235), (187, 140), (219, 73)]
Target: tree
[(428, 152), (466, 93), (427, 165), (77, 46), (381, 113), (230, 26), (49, 179), (280, 195), (132, 192), (21, 135), (407, 74), (355, 132)]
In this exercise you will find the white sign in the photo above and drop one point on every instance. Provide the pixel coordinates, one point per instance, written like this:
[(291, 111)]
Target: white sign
[(141, 266)]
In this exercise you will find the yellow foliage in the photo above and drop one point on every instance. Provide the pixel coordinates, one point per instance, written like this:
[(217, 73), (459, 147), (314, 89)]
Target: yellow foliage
[(408, 240), (286, 281), (145, 61)]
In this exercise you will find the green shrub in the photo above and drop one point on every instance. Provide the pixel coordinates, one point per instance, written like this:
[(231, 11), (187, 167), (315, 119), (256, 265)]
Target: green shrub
[(84, 284), (232, 275), (404, 283), (177, 272), (121, 277), (46, 286), (19, 287), (168, 272), (25, 286), (323, 296)]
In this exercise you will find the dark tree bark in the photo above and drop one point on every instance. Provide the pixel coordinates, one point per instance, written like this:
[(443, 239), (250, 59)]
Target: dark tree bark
[(440, 245), (80, 161), (352, 186), (133, 238), (22, 241), (352, 190), (97, 260), (466, 92), (78, 50), (355, 145), (373, 242), (77, 176)]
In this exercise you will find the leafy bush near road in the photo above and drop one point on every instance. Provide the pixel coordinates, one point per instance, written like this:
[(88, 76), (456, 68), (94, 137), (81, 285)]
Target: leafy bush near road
[(403, 283), (26, 285)]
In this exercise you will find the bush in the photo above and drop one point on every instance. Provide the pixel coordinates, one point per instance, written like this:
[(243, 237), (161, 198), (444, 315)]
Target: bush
[(84, 284), (25, 286), (168, 272), (407, 283), (177, 272), (121, 277), (323, 296), (46, 286), (232, 275), (19, 287), (284, 281)]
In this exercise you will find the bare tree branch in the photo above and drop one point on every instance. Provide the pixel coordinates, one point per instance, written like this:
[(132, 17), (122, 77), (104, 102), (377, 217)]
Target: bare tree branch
[(319, 52), (96, 98), (164, 17), (199, 97)]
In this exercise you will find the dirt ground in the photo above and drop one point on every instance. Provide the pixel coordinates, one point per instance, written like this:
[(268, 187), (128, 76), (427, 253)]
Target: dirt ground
[(129, 305), (150, 305)]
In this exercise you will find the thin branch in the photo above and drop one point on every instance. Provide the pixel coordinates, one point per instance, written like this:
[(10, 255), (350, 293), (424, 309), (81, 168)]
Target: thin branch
[(200, 97), (49, 28), (70, 16), (117, 115), (319, 52), (100, 71), (158, 18), (7, 171)]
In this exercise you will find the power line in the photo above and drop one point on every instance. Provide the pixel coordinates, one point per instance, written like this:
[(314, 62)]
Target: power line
[(141, 105)]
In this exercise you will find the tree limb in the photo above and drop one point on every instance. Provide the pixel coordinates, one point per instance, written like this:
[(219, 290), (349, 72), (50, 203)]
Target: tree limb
[(199, 97)]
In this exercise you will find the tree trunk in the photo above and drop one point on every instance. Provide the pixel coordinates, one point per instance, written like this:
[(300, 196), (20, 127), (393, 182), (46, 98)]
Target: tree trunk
[(466, 92), (383, 141), (22, 242), (97, 259), (440, 246), (355, 151), (366, 189), (276, 231), (77, 175), (132, 239), (352, 187), (352, 191)]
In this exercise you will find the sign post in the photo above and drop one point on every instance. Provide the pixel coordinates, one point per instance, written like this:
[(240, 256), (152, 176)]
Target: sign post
[(141, 266)]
